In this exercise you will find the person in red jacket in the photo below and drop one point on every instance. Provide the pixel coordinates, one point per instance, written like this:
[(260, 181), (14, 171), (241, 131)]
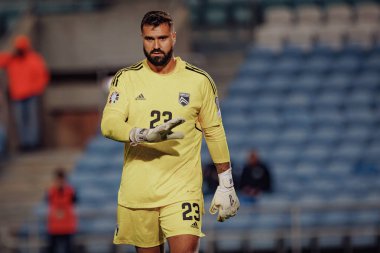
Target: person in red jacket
[(62, 219), (27, 79)]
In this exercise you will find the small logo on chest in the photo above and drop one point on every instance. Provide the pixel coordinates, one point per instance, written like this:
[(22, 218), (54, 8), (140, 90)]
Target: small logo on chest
[(140, 97), (184, 98)]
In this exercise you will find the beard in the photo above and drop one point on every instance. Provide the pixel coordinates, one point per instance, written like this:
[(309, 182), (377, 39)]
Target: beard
[(159, 61)]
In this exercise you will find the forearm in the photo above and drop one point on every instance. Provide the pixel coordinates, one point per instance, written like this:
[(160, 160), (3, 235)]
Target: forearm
[(114, 127), (218, 148)]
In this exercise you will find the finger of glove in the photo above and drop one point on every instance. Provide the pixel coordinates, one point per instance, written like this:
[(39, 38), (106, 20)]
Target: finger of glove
[(213, 207), (220, 218), (173, 123), (175, 135)]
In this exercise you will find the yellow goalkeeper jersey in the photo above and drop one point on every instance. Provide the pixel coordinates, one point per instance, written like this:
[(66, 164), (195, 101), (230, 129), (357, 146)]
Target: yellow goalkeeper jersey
[(157, 174)]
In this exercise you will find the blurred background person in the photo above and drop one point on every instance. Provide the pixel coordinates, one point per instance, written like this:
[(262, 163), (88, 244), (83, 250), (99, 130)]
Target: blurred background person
[(210, 178), (27, 79), (256, 177), (62, 219)]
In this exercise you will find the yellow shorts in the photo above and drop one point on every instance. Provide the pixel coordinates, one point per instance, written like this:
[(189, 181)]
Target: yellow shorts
[(148, 227)]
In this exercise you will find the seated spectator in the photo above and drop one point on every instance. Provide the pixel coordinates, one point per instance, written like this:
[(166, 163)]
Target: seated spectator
[(210, 178), (256, 177)]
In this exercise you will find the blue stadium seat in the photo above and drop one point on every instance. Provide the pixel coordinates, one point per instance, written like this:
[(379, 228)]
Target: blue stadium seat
[(328, 117), (348, 151), (265, 119), (244, 86), (359, 133), (317, 65), (256, 67), (299, 119), (287, 66), (236, 121), (296, 100), (337, 81), (367, 79), (360, 97), (266, 101), (346, 63), (285, 153), (278, 83), (232, 105), (260, 53), (372, 63), (327, 135), (329, 100), (294, 136), (308, 82)]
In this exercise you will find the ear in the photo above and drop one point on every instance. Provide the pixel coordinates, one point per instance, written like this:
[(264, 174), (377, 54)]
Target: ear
[(174, 37)]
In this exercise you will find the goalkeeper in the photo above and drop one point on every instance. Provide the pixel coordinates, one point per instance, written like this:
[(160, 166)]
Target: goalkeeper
[(161, 108)]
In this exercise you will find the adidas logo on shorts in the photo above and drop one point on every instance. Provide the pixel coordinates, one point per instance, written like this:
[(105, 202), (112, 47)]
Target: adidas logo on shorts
[(194, 225)]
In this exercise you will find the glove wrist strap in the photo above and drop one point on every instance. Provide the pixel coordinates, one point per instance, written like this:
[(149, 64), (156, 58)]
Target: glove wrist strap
[(137, 135), (225, 179)]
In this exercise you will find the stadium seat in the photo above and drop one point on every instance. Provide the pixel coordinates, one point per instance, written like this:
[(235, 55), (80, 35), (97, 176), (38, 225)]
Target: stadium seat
[(367, 79), (327, 133), (367, 12), (293, 136), (303, 35), (332, 35), (372, 63), (317, 65), (337, 82), (286, 66), (271, 36), (339, 14), (362, 34), (299, 98), (278, 82), (328, 100), (308, 13), (349, 64), (269, 101), (256, 67), (279, 15)]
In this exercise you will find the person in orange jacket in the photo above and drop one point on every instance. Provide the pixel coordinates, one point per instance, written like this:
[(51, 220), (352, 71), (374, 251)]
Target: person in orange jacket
[(27, 79), (62, 219)]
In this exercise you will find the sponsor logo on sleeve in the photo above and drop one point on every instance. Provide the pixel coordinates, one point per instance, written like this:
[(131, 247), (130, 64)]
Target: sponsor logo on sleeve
[(114, 97)]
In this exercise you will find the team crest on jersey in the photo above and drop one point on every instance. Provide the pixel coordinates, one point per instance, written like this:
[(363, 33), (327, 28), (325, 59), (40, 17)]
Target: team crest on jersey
[(113, 97), (184, 98)]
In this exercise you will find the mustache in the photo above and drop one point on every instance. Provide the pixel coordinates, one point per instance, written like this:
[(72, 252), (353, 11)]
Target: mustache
[(156, 51)]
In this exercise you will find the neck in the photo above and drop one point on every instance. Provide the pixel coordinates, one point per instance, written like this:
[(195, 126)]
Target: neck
[(163, 69)]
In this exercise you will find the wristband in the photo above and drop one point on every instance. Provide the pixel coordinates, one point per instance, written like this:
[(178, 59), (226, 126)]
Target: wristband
[(225, 179)]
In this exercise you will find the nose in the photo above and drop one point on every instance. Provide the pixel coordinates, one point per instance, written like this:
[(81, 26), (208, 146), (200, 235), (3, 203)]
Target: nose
[(156, 44)]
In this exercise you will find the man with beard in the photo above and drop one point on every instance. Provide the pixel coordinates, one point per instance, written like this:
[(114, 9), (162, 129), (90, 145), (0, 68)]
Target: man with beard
[(160, 196)]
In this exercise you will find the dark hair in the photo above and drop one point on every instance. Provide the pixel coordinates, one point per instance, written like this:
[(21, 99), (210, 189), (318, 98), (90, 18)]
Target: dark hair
[(60, 173), (156, 18)]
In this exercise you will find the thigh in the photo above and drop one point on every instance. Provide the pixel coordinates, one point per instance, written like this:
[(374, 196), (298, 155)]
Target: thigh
[(138, 227), (182, 218), (156, 249), (184, 244)]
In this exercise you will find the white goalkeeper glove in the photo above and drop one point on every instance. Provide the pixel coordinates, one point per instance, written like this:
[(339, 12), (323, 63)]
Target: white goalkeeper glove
[(225, 199), (159, 133)]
